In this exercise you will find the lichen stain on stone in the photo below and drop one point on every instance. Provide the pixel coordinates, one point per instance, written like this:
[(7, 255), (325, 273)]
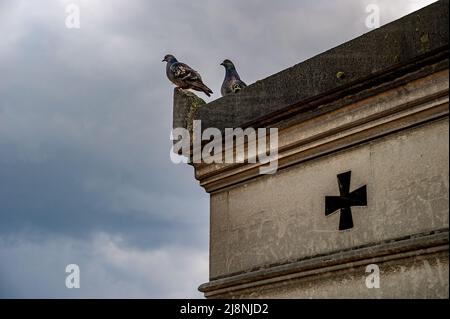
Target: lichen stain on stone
[(194, 104), (425, 38), (340, 75), (424, 43)]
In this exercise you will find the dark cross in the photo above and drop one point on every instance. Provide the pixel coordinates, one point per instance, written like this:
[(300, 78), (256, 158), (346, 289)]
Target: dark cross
[(345, 201)]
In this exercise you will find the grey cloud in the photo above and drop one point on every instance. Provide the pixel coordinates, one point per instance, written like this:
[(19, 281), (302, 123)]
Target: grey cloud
[(85, 118), (109, 268)]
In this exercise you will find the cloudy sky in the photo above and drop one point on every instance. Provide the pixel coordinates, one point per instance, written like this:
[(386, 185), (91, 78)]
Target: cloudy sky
[(85, 119)]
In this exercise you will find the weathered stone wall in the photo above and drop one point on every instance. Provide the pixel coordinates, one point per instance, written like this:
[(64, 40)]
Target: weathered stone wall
[(281, 218), (386, 122)]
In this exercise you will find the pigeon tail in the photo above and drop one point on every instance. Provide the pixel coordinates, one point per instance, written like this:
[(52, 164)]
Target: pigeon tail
[(205, 89)]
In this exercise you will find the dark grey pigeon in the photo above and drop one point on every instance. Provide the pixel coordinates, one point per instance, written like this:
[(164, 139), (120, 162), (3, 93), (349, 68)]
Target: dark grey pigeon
[(183, 76), (232, 82)]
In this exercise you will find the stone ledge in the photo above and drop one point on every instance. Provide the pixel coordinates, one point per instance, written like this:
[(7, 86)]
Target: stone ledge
[(395, 47), (421, 274), (417, 102), (418, 244)]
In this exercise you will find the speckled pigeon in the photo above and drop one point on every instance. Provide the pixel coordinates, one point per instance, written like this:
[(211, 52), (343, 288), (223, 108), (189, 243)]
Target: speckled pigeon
[(183, 76), (232, 82)]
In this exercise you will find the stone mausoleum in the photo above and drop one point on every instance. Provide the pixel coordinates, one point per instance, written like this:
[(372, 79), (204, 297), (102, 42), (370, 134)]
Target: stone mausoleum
[(362, 179)]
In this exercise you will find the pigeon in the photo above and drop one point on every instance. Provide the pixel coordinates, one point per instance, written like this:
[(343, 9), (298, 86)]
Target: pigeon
[(183, 76), (232, 82)]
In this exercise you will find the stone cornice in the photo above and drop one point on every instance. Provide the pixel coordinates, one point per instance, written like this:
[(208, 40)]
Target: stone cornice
[(339, 128), (386, 251)]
